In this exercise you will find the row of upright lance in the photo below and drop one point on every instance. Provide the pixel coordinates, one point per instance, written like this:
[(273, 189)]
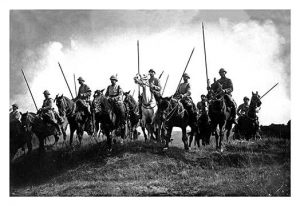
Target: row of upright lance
[(138, 54)]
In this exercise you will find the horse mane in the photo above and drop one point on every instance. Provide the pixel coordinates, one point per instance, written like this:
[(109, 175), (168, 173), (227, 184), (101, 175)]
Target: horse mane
[(253, 105)]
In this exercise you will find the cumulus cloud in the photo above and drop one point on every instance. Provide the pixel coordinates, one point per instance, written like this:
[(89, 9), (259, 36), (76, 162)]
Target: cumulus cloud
[(249, 49)]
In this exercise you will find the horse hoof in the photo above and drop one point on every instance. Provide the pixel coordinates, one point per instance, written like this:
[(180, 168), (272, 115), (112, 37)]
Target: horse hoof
[(165, 148)]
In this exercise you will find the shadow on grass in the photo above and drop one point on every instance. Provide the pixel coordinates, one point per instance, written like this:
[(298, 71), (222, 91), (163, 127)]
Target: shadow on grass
[(35, 169)]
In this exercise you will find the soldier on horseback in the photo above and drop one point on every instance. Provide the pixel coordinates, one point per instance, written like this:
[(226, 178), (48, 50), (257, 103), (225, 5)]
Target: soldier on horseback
[(154, 84), (227, 88), (14, 115), (84, 93), (202, 105), (243, 108), (184, 95), (48, 113), (155, 88), (114, 92)]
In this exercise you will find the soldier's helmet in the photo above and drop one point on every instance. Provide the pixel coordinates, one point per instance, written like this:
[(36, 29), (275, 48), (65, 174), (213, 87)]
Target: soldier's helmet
[(151, 70), (113, 77), (46, 92), (186, 75), (222, 70), (203, 96), (246, 98), (80, 79), (15, 105)]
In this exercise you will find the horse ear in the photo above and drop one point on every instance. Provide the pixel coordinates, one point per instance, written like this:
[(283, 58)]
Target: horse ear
[(256, 92), (101, 91), (252, 93)]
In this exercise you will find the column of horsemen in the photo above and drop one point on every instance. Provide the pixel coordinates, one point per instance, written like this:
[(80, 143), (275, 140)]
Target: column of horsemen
[(114, 94)]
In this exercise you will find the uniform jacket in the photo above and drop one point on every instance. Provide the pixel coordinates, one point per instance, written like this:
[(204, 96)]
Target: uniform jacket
[(84, 92), (226, 84), (114, 91), (155, 84), (14, 115), (243, 109), (184, 89)]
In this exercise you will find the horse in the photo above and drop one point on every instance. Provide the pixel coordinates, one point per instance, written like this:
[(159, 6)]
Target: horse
[(204, 129), (248, 125), (33, 123), (219, 114), (76, 115), (175, 115), (95, 111), (108, 119), (148, 107), (18, 138), (132, 116)]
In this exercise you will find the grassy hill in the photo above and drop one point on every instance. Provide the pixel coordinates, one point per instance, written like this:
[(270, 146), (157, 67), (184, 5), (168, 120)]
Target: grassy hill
[(260, 168)]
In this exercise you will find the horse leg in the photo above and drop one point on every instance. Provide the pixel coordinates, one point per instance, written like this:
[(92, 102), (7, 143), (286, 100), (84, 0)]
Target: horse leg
[(191, 139), (221, 127), (41, 144), (184, 138), (168, 137), (109, 140), (144, 132), (72, 130)]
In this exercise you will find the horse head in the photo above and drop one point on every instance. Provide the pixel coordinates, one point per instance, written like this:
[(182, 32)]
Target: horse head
[(26, 121), (255, 100), (61, 105)]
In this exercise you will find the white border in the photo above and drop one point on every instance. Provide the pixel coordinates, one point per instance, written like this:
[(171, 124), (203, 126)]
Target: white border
[(151, 4)]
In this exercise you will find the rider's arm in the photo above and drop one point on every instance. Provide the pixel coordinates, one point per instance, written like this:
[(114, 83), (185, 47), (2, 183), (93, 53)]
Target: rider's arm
[(188, 91), (238, 111)]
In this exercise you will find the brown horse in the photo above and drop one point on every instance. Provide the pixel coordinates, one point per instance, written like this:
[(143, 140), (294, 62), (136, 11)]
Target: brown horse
[(132, 114), (108, 118), (219, 114), (248, 125), (174, 115), (76, 115), (33, 123), (18, 138)]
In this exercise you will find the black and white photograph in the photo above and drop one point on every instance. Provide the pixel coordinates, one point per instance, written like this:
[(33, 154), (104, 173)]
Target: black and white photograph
[(149, 102)]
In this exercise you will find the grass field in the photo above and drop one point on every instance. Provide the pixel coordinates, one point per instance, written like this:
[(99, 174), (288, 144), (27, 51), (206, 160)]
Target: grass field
[(255, 168)]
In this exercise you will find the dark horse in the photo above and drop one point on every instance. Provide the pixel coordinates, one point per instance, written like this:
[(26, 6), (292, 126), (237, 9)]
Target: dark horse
[(219, 114), (132, 114), (96, 112), (204, 129), (33, 123), (77, 117), (108, 119), (248, 125), (174, 115), (18, 138)]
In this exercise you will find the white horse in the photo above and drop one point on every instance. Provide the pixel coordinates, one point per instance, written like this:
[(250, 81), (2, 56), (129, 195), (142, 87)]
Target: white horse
[(148, 106)]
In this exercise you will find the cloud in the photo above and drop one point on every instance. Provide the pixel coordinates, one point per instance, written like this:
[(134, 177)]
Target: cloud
[(97, 44)]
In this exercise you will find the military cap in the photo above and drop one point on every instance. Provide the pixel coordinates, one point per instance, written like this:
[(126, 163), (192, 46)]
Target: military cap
[(15, 105), (80, 79), (46, 92), (246, 98), (186, 75), (203, 95), (222, 70), (113, 77), (151, 70)]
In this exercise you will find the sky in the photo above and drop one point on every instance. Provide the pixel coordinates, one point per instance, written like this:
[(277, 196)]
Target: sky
[(252, 45)]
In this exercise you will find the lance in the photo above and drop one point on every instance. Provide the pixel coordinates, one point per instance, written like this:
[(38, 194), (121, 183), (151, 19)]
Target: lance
[(65, 80), (165, 86), (161, 74), (185, 68), (75, 84), (269, 90), (207, 81), (133, 92), (138, 53), (29, 89)]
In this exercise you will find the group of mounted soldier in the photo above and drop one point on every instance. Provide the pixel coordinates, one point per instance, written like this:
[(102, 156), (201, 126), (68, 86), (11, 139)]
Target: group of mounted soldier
[(221, 88)]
